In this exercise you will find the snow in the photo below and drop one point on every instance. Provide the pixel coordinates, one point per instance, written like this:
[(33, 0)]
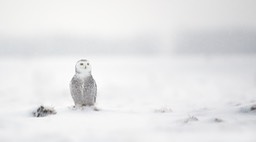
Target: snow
[(170, 98)]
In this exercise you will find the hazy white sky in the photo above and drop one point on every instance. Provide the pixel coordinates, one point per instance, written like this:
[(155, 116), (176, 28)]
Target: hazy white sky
[(122, 17)]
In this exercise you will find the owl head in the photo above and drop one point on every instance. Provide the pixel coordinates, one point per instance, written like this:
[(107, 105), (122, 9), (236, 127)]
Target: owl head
[(83, 66)]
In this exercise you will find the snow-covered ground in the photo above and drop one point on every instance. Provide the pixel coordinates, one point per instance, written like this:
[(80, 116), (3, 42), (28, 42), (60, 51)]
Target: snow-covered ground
[(165, 99)]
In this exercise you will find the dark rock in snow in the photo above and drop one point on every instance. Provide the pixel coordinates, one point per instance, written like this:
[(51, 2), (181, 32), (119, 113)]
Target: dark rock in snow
[(253, 107), (218, 120), (43, 111)]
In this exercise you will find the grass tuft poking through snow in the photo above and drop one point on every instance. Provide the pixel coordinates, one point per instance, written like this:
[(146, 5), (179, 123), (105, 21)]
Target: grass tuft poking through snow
[(191, 119), (163, 110)]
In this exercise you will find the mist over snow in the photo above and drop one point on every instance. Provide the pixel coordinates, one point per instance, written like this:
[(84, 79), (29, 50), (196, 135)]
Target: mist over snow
[(68, 45), (62, 27), (216, 41)]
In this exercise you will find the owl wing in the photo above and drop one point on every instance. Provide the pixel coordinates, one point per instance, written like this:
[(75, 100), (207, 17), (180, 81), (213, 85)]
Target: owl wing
[(90, 88), (95, 91), (75, 89)]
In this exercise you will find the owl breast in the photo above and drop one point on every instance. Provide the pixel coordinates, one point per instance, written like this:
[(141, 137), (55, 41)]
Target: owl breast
[(83, 90)]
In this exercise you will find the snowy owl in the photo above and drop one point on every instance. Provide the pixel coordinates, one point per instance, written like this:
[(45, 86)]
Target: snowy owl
[(83, 87)]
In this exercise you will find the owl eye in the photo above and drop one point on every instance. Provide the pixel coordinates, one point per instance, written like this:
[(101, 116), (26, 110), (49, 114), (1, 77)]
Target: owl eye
[(88, 64), (81, 64)]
